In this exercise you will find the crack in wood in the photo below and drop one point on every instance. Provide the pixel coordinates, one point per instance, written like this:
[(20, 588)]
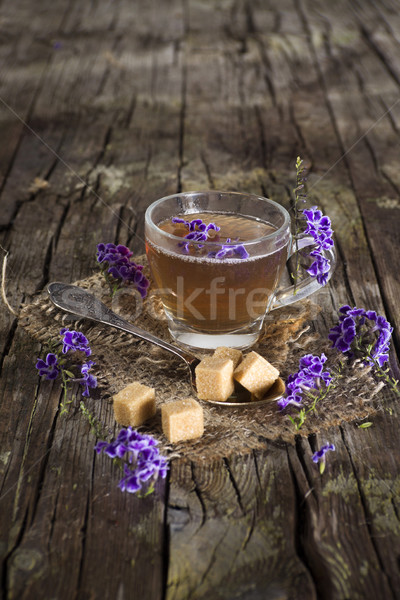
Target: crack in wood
[(379, 53), (8, 342), (301, 515), (199, 496), (211, 563), (234, 485)]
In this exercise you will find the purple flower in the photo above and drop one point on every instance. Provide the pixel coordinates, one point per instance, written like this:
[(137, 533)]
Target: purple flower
[(294, 399), (228, 251), (320, 454), (116, 260), (178, 220), (144, 463), (49, 366), (88, 380), (74, 340), (241, 251), (361, 332), (320, 267), (130, 482)]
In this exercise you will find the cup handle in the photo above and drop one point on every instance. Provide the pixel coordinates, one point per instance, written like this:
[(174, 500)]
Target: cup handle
[(307, 286)]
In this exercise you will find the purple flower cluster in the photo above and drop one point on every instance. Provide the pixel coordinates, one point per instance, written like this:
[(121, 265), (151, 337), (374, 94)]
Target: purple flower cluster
[(359, 329), (199, 232), (53, 365), (318, 226), (145, 463), (311, 375), (116, 261)]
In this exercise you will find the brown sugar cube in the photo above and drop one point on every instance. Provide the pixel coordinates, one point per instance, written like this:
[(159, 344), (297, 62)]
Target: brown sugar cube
[(182, 420), (134, 404), (214, 378), (256, 374), (232, 353)]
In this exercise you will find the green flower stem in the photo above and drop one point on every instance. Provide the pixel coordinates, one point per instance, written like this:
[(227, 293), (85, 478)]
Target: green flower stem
[(112, 285), (300, 419), (96, 428), (64, 403), (298, 197)]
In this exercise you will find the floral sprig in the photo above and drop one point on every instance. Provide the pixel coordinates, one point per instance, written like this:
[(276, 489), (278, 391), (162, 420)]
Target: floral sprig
[(363, 334), (318, 226), (305, 388), (320, 456), (55, 364), (137, 454), (300, 197), (313, 223), (359, 335), (198, 231), (118, 268), (138, 457)]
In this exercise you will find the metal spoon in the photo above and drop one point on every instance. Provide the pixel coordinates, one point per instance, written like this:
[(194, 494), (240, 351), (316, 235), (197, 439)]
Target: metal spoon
[(82, 303)]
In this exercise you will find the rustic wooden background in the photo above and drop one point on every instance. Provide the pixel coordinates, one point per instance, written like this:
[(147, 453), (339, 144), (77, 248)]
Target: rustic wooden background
[(106, 105)]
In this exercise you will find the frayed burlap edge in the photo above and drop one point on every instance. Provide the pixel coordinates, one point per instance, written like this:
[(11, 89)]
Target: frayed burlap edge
[(120, 359)]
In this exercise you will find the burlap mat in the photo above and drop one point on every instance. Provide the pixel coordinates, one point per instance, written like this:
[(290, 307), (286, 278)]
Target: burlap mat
[(120, 359)]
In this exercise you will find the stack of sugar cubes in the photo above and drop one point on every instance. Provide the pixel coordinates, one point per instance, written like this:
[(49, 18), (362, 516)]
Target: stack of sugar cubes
[(215, 381)]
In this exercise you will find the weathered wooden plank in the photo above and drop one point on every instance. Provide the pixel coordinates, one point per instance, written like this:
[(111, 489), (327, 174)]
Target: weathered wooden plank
[(70, 519), (377, 477), (334, 525), (228, 535), (360, 137), (23, 407)]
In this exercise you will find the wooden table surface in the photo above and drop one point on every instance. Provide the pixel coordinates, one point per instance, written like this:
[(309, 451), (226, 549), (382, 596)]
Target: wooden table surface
[(105, 106)]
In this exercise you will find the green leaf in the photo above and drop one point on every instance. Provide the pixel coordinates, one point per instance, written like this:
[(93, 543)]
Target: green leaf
[(322, 466), (365, 425)]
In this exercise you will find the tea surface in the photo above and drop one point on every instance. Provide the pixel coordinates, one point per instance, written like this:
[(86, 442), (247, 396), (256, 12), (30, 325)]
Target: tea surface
[(237, 228), (210, 294)]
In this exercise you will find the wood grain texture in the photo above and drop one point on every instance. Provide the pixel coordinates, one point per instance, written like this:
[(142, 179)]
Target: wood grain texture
[(107, 106)]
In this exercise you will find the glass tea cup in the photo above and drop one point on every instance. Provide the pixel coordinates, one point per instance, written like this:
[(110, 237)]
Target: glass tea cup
[(216, 260)]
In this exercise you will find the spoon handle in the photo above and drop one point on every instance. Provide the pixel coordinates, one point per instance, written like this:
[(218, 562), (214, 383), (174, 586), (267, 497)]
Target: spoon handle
[(82, 303)]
